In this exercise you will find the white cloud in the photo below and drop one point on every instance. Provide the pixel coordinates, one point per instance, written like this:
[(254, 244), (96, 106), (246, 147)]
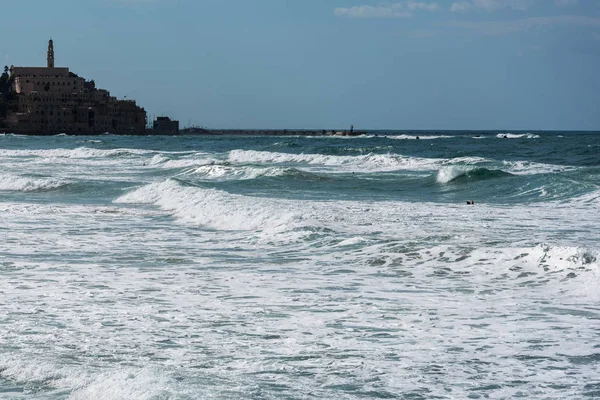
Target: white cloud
[(490, 5), (505, 27), (394, 10)]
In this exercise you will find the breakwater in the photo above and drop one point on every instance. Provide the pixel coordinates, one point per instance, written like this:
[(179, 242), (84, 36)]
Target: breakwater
[(271, 132)]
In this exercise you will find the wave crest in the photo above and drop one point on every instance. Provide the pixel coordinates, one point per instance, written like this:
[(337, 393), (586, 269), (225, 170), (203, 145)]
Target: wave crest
[(11, 183), (214, 208), (518, 136), (228, 172), (454, 172), (78, 152), (367, 162), (413, 137)]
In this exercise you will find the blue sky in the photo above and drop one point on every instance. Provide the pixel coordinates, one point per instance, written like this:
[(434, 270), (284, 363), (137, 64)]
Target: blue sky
[(466, 64)]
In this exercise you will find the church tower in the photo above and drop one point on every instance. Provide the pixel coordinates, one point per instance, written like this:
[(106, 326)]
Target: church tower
[(50, 54)]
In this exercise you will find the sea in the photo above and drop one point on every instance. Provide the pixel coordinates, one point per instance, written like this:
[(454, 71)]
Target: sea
[(298, 267)]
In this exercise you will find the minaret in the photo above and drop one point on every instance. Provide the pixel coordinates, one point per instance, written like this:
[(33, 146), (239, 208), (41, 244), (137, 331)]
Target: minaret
[(50, 54)]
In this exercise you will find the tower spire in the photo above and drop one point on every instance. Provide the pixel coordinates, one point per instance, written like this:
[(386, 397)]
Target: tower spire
[(50, 54)]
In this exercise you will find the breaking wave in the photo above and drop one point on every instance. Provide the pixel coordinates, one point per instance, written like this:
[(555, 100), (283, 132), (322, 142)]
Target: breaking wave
[(11, 183), (517, 136), (413, 137), (229, 172), (79, 152), (165, 162), (369, 162), (467, 172), (213, 208), (530, 167)]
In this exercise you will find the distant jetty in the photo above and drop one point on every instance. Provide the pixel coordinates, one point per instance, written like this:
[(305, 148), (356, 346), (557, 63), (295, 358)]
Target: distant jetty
[(271, 132)]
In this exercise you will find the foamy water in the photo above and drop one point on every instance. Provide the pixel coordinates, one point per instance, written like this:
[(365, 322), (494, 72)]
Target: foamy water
[(298, 268)]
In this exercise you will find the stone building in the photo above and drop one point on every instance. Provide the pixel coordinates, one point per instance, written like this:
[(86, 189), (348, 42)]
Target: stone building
[(165, 126), (54, 100)]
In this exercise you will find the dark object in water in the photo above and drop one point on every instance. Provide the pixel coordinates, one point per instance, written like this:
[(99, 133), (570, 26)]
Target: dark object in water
[(470, 202)]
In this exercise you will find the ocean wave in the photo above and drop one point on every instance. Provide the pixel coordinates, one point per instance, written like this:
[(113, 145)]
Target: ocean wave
[(518, 136), (11, 183), (533, 168), (162, 161), (337, 136), (213, 208), (455, 172), (413, 137), (368, 162), (79, 152), (229, 172)]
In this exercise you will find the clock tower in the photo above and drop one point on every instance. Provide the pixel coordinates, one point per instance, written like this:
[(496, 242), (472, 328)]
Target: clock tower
[(50, 54)]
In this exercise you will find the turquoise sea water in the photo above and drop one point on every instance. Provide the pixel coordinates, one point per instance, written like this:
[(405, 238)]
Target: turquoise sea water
[(231, 267)]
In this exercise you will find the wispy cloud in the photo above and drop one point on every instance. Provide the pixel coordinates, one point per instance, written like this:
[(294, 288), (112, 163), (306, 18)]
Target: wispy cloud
[(506, 27), (394, 10), (490, 5)]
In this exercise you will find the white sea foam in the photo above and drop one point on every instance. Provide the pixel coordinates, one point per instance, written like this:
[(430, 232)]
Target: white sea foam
[(412, 137), (531, 168), (224, 172), (368, 162), (158, 159), (448, 174), (188, 161), (131, 306), (213, 208), (79, 152), (465, 160), (121, 383), (29, 184), (518, 135)]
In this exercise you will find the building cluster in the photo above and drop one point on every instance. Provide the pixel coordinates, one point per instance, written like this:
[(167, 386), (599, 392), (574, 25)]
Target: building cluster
[(54, 100)]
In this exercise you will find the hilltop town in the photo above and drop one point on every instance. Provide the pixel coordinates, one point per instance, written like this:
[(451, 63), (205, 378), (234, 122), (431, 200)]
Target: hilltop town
[(52, 100)]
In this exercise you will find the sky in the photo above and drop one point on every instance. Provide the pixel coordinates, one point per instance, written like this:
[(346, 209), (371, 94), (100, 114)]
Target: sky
[(327, 64)]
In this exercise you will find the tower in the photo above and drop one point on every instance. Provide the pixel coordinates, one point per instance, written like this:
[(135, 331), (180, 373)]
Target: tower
[(50, 54)]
